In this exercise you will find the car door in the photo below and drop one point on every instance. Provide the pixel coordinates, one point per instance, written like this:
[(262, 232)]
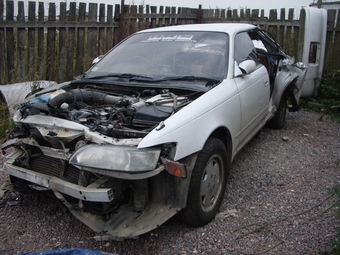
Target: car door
[(313, 50), (253, 88)]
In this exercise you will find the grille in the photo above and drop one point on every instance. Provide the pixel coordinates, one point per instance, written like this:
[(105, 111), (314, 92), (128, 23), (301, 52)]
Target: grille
[(55, 167)]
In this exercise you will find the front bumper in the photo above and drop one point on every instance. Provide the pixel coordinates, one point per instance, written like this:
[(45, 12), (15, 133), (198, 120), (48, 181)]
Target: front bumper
[(91, 193)]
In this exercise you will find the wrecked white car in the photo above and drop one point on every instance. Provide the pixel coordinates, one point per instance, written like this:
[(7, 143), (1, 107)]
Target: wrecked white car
[(151, 129)]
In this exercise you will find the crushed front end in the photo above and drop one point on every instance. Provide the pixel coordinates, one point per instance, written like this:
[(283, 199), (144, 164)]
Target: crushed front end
[(82, 145)]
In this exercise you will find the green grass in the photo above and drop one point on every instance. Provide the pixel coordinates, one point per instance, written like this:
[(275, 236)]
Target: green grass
[(6, 123), (336, 250), (328, 100)]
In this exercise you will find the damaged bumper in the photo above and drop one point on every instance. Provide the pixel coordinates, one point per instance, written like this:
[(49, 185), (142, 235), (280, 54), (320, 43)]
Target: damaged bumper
[(91, 193)]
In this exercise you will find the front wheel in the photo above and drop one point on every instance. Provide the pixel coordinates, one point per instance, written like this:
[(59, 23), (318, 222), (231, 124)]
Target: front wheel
[(279, 120), (207, 185)]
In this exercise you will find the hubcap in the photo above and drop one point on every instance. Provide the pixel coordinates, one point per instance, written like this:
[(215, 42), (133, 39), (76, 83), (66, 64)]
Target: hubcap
[(211, 182)]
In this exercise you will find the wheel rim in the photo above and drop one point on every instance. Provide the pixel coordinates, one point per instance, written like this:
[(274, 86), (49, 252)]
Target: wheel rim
[(211, 183)]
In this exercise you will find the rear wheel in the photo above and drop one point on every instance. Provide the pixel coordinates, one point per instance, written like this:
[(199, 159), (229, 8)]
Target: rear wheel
[(207, 185), (279, 120)]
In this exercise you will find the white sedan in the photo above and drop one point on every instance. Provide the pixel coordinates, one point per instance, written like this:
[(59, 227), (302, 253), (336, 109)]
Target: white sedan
[(151, 129)]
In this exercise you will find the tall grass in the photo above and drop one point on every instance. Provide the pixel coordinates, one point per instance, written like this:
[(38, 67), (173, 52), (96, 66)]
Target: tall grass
[(6, 123)]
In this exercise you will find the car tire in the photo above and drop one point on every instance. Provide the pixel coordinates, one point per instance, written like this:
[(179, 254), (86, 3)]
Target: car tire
[(207, 185), (279, 120)]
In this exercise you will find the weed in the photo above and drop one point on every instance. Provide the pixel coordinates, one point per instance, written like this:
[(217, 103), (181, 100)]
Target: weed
[(336, 250), (6, 123), (328, 99)]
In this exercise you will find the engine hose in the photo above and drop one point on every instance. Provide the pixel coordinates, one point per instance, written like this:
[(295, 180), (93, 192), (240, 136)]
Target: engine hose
[(82, 95)]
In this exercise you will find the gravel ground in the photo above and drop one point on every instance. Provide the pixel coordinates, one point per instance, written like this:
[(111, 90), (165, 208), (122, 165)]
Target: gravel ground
[(278, 201)]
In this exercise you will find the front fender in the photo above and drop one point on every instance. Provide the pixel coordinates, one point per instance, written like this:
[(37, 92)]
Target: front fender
[(290, 74), (191, 126)]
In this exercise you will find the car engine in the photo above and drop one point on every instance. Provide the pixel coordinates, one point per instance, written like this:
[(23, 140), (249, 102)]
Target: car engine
[(111, 115)]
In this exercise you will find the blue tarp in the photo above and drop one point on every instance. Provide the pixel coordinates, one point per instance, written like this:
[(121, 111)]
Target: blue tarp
[(76, 251)]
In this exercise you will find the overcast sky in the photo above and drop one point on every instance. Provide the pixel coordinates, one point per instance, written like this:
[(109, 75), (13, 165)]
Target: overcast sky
[(206, 4)]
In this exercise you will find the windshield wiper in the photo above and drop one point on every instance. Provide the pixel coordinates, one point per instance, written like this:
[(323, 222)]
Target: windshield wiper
[(129, 76), (175, 78), (189, 78)]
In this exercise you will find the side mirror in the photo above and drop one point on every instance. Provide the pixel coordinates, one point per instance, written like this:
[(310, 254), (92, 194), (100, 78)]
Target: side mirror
[(96, 60), (246, 67)]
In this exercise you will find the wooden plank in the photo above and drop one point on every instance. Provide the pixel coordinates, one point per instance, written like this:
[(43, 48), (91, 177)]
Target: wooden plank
[(21, 42), (272, 29), (91, 36), (329, 64), (80, 41), (41, 43), (62, 45), (174, 19), (124, 23), (281, 29), (199, 14), (184, 11), (3, 78), (31, 43), (247, 13), (242, 14), (2, 6), (54, 24), (10, 41), (71, 34), (192, 12), (255, 14), (109, 30), (153, 20), (223, 14), (290, 44), (116, 32), (146, 20), (217, 14), (133, 20), (336, 49), (51, 45), (161, 20), (141, 21), (262, 14), (101, 30), (179, 11), (235, 14)]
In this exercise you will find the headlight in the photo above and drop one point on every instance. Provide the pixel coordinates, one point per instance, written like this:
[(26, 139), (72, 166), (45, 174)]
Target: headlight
[(119, 158)]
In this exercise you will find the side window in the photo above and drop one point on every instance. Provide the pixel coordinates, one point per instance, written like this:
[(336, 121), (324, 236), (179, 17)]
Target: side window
[(244, 48)]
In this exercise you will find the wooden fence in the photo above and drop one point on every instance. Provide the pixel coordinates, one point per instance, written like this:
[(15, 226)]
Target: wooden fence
[(59, 47)]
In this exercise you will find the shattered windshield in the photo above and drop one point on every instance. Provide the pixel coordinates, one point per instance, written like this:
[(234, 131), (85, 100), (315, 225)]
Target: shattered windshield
[(161, 55)]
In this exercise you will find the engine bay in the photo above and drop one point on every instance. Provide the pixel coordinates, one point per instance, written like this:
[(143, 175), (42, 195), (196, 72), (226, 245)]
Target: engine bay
[(117, 115)]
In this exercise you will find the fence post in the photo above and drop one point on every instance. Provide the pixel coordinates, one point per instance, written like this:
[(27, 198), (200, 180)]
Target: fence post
[(71, 42), (21, 42), (199, 14), (2, 46), (116, 30), (51, 42), (10, 41), (92, 36), (81, 40), (329, 56), (31, 43), (62, 43), (41, 44), (109, 30), (121, 20)]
